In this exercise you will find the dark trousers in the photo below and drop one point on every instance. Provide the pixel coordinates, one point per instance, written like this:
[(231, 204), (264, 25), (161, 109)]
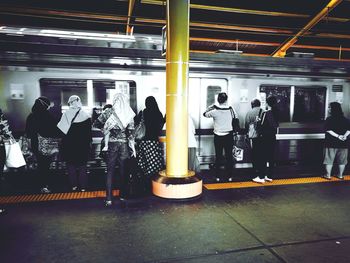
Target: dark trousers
[(77, 175), (224, 143), (258, 157), (44, 169), (268, 154), (118, 152)]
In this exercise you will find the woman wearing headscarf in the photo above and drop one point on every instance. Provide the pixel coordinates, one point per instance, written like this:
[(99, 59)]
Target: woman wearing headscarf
[(118, 121), (75, 123), (41, 122), (150, 157)]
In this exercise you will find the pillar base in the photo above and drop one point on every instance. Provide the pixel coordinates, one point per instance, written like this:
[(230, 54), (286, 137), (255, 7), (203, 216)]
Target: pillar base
[(177, 188)]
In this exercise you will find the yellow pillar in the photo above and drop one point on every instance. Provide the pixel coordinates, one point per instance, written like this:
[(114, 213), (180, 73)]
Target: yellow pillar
[(177, 182)]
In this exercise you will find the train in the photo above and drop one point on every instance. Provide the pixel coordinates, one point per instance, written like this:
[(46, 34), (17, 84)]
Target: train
[(303, 86)]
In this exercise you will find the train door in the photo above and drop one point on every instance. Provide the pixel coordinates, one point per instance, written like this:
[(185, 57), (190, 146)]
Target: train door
[(209, 89)]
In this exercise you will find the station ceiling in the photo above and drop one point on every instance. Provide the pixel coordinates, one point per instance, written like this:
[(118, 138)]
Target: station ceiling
[(254, 27)]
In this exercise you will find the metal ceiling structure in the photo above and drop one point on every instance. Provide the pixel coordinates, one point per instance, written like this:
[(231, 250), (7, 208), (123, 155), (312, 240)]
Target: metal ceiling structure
[(266, 28)]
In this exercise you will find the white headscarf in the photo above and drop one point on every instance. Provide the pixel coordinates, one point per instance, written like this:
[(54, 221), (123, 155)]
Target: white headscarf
[(125, 114), (75, 105)]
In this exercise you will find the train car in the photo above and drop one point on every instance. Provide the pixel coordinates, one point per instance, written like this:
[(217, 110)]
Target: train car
[(303, 86)]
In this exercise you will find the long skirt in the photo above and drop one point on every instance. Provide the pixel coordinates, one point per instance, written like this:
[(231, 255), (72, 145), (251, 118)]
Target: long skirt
[(150, 157)]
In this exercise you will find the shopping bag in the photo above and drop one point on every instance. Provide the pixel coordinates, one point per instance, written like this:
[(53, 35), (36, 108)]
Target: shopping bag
[(237, 153), (14, 156)]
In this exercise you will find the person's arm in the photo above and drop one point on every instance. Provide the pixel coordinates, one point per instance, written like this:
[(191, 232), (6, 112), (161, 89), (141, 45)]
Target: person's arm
[(101, 120), (209, 112)]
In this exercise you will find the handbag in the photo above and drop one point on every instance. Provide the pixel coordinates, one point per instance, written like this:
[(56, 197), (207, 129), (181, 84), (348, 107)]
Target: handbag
[(48, 146), (235, 122), (140, 129), (237, 153), (14, 156)]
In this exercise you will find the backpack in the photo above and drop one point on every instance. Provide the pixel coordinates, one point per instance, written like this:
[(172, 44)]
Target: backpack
[(255, 128)]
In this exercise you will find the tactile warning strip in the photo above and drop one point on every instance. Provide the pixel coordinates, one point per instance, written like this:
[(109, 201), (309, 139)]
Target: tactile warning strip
[(53, 197), (305, 180)]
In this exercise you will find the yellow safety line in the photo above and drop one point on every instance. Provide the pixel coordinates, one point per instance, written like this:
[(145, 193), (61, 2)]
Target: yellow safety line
[(305, 180), (53, 197)]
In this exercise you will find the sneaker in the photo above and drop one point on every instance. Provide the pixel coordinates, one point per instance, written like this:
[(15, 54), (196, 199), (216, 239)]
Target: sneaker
[(217, 179), (340, 177), (74, 188), (45, 190), (259, 180), (108, 203), (327, 177), (229, 179), (82, 190), (267, 179), (2, 211)]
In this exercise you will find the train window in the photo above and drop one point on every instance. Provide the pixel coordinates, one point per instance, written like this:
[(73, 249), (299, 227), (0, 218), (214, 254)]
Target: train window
[(309, 104), (212, 92), (282, 93), (93, 93)]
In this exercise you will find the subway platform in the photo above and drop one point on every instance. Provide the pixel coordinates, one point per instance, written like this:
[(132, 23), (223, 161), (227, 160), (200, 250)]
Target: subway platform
[(300, 217)]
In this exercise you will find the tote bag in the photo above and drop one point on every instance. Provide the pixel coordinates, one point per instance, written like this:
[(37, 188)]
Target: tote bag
[(14, 156), (140, 129)]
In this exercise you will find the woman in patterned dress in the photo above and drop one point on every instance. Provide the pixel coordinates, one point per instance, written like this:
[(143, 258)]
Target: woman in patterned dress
[(149, 154)]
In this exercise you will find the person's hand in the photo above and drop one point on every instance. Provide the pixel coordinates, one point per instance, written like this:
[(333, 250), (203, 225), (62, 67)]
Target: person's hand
[(131, 144), (342, 137), (105, 149)]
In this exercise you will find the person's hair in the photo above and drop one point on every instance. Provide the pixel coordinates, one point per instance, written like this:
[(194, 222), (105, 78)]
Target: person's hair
[(41, 104), (151, 104), (222, 97), (107, 106), (255, 103), (336, 110), (272, 102)]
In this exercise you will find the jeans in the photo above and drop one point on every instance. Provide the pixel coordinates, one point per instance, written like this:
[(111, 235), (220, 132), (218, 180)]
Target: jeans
[(268, 154), (118, 152), (258, 156), (44, 169), (224, 143)]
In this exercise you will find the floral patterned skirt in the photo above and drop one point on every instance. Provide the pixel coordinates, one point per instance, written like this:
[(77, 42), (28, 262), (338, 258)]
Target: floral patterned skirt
[(150, 157)]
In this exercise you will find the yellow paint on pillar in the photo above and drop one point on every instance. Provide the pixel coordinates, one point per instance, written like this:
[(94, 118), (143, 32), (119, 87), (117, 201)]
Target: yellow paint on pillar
[(177, 58)]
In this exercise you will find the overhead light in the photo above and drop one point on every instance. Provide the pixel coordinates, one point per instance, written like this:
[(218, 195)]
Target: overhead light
[(228, 51), (86, 35)]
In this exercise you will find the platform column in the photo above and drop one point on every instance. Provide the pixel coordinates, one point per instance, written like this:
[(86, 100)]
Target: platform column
[(176, 182)]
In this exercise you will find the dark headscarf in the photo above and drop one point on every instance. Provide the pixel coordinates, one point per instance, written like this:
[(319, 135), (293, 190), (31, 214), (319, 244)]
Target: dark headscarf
[(336, 110), (154, 120)]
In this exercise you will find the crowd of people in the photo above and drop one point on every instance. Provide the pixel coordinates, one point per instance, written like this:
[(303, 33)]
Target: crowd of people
[(72, 136)]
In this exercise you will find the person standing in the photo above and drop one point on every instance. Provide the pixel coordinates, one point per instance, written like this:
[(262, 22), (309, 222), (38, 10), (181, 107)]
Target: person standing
[(149, 152), (269, 125), (118, 121), (252, 120), (75, 123), (5, 136), (337, 129), (223, 133), (41, 122)]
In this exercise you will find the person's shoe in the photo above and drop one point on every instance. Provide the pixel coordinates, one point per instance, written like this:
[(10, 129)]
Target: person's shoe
[(229, 179), (267, 179), (45, 190), (82, 190), (2, 211), (340, 177), (74, 188), (108, 203), (258, 180), (217, 179), (327, 177)]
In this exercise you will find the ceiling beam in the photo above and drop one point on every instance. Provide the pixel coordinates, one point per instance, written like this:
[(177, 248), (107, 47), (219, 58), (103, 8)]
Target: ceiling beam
[(282, 49), (133, 5)]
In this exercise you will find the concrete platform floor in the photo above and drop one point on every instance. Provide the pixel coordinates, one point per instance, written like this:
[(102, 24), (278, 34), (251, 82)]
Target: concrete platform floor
[(291, 223)]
